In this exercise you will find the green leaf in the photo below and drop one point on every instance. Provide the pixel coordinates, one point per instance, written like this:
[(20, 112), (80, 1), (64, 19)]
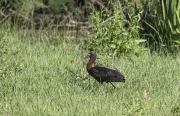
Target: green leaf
[(113, 46), (140, 41), (176, 41)]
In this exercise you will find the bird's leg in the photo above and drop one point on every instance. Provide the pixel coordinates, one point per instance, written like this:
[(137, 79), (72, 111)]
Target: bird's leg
[(113, 85), (101, 88)]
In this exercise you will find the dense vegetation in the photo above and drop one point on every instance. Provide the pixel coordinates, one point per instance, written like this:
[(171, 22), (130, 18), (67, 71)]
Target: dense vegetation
[(38, 77), (41, 40), (156, 21)]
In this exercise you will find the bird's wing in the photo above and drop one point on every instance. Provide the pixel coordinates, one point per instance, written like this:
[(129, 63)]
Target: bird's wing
[(107, 74), (100, 72)]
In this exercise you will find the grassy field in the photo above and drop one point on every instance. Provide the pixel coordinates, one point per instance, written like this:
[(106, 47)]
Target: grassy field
[(39, 78)]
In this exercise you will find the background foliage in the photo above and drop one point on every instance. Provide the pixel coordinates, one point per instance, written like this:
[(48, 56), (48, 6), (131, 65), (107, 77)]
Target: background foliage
[(159, 20), (115, 35)]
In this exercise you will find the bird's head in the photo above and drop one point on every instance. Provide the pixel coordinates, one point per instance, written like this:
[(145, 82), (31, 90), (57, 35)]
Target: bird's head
[(90, 55)]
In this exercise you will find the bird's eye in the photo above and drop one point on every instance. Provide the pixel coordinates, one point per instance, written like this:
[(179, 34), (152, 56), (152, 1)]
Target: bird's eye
[(89, 54)]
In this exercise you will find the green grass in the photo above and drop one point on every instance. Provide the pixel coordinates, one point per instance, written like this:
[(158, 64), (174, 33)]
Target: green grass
[(41, 79)]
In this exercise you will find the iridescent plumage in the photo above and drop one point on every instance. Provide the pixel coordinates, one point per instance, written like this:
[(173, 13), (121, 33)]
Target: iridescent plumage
[(102, 74)]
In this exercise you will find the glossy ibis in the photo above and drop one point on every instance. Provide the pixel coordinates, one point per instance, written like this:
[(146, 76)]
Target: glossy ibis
[(102, 74)]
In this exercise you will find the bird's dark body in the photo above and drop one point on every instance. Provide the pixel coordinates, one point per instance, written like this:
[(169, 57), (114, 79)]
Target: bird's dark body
[(103, 74)]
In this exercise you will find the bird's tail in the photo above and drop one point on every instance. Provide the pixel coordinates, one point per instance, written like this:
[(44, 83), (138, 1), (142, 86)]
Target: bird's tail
[(116, 80)]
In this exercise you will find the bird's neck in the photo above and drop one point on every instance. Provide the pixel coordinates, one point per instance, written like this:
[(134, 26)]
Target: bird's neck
[(89, 64)]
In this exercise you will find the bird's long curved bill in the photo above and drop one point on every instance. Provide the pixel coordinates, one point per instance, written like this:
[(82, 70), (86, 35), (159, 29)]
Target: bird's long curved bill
[(81, 59)]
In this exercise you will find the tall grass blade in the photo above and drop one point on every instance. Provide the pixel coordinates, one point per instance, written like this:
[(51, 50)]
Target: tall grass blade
[(155, 31), (163, 10)]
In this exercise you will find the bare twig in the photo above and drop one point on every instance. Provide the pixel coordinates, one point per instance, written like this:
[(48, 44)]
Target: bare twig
[(108, 19)]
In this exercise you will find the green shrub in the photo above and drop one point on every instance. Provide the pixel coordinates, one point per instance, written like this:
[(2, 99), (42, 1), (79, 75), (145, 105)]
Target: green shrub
[(116, 35)]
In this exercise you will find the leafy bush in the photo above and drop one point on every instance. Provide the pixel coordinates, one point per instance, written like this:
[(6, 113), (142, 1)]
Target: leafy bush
[(116, 35)]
